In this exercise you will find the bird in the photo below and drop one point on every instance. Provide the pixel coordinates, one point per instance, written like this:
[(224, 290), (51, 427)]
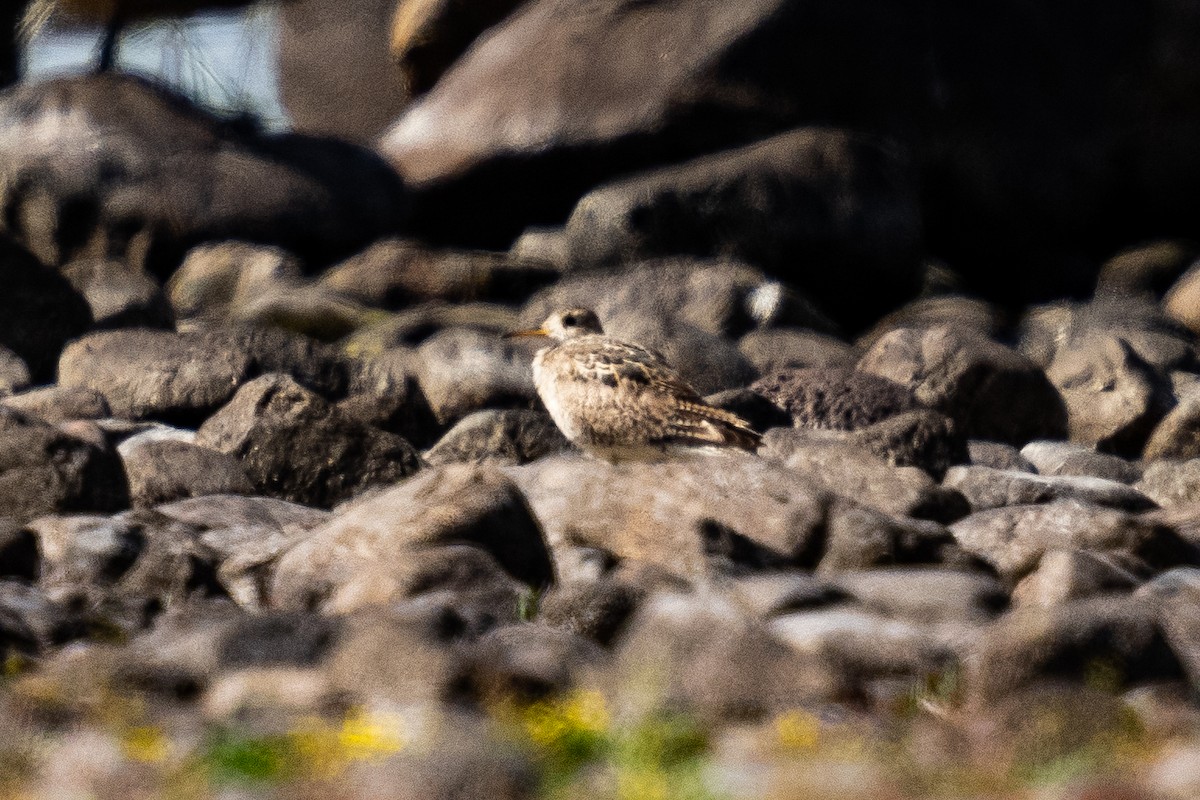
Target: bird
[(620, 401)]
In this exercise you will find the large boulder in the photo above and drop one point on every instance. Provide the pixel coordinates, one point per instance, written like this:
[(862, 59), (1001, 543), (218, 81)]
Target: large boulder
[(111, 164)]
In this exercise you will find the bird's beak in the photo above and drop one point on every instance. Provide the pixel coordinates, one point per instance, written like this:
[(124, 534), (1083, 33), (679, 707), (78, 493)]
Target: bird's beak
[(521, 334)]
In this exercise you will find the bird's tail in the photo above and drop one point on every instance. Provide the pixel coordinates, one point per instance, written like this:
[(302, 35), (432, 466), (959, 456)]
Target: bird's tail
[(698, 423)]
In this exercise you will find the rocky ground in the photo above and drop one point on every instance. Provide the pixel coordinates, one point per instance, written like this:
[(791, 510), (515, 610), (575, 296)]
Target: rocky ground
[(282, 516)]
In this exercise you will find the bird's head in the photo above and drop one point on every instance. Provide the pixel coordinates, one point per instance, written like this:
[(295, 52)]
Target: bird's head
[(567, 324)]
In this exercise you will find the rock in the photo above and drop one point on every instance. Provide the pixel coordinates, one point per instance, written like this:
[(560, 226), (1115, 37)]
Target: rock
[(296, 446), (751, 406), (844, 468), (1014, 539), (217, 277), (160, 472), (336, 74), (1178, 435), (393, 273), (713, 295), (247, 534), (159, 176), (1066, 575), (1149, 268), (1172, 483), (514, 436), (1181, 301), (599, 608), (391, 402), (955, 311), (1184, 519), (529, 662), (278, 638), (39, 313), (1114, 398), (45, 471), (18, 551), (413, 326), (353, 561), (919, 438), (1111, 640), (462, 370), (987, 488), (14, 373), (141, 556), (996, 455), (990, 391), (774, 350), (119, 294), (711, 514), (1072, 458), (926, 596), (59, 403), (714, 662), (746, 202), (1162, 343), (835, 398), (771, 594), (139, 434), (185, 377), (30, 622)]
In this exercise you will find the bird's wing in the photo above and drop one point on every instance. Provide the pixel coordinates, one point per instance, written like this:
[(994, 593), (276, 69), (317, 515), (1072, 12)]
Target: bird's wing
[(629, 367)]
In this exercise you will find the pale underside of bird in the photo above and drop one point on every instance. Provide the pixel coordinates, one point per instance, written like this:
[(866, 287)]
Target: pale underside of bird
[(620, 401)]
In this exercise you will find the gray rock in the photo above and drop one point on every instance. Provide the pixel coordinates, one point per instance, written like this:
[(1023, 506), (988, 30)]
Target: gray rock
[(599, 608), (1014, 539), (136, 435), (462, 370), (955, 311), (1150, 268), (990, 391), (987, 488), (60, 403), (919, 438), (835, 398), (529, 661), (777, 349), (296, 446), (163, 471), (45, 471), (1115, 399), (514, 436), (997, 455), (358, 558), (1066, 575), (925, 595), (1072, 458), (845, 468), (390, 399), (771, 594), (30, 622), (1172, 483)]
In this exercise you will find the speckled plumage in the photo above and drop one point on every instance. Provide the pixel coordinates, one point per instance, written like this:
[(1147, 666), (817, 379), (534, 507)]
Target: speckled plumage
[(620, 400)]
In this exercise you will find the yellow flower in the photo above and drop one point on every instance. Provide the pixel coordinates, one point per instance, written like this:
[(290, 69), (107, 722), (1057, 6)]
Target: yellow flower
[(327, 750), (145, 744), (549, 721), (798, 730)]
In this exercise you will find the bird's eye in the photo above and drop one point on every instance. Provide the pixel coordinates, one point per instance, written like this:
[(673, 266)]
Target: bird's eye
[(570, 320)]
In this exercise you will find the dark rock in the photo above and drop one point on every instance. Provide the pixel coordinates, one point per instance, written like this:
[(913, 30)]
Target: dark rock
[(14, 373), (712, 295), (1172, 483), (30, 622), (462, 370), (600, 608), (1184, 519), (60, 403), (353, 561), (987, 488), (159, 176), (919, 438), (1178, 435), (925, 595), (118, 294), (1114, 398), (336, 74), (393, 403), (1066, 575), (990, 391), (296, 446), (1072, 458), (39, 312), (162, 471), (184, 377), (515, 436), (996, 455), (1014, 539), (835, 398), (19, 556), (751, 406), (845, 468), (45, 471), (278, 639), (746, 202), (774, 350), (529, 661), (859, 538), (1115, 640), (393, 273)]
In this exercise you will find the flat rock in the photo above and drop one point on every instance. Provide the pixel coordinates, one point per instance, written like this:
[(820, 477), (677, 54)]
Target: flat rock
[(359, 557), (184, 377), (512, 436), (164, 471), (1073, 458), (59, 403), (987, 488), (1066, 575), (990, 391), (774, 350), (44, 470), (835, 398), (1014, 539), (1172, 483), (925, 595), (997, 455), (295, 445)]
